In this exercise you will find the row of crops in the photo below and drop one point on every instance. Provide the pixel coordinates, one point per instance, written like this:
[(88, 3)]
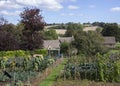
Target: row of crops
[(19, 66), (99, 68)]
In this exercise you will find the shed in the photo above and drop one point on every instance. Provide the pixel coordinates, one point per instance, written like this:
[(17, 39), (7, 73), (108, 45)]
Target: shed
[(53, 47), (109, 42), (66, 39)]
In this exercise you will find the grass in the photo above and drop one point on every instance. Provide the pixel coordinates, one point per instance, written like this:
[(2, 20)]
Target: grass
[(52, 77), (114, 51), (83, 83), (71, 83)]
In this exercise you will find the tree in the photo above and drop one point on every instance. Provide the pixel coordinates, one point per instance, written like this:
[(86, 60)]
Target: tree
[(33, 22), (8, 41), (72, 28), (11, 28), (32, 19), (111, 29), (101, 24), (88, 43), (50, 34), (64, 47), (7, 36), (28, 43), (3, 21)]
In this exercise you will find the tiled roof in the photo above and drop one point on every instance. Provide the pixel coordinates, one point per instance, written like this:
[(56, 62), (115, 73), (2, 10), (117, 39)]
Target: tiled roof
[(66, 39), (55, 44), (51, 44), (109, 40)]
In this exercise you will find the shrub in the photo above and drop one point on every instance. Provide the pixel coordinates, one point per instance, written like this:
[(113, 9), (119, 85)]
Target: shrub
[(44, 52)]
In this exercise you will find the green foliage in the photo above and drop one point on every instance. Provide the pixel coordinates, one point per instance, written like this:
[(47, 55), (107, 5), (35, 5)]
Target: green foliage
[(65, 48), (17, 53), (111, 29), (104, 68), (53, 76), (88, 43), (8, 41), (117, 46), (50, 34), (72, 28), (44, 52), (22, 69), (33, 22)]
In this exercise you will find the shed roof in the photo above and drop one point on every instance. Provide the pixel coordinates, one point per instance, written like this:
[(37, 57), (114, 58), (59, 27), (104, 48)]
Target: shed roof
[(109, 40), (51, 44), (66, 39)]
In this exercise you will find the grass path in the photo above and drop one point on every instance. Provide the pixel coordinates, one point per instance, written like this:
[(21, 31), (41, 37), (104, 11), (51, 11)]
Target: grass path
[(52, 77)]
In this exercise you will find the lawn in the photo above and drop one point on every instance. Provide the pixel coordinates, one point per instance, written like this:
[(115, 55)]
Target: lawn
[(52, 77), (83, 83)]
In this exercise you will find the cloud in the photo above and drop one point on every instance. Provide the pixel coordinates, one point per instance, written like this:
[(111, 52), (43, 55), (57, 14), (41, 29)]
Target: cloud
[(114, 9), (8, 4), (63, 14), (72, 7), (92, 6), (67, 14), (43, 4), (73, 0), (4, 12), (51, 4), (71, 14), (46, 4)]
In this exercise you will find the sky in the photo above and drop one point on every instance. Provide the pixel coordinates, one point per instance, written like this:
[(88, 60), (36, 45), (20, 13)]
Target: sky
[(63, 11)]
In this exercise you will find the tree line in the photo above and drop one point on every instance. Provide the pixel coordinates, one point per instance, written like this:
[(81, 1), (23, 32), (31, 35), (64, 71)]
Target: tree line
[(26, 34), (29, 33)]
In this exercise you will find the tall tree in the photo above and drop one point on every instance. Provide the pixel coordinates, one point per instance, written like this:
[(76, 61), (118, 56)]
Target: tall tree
[(88, 43), (3, 21), (50, 34), (111, 29), (32, 19), (8, 41), (33, 22), (7, 36), (72, 28), (65, 48)]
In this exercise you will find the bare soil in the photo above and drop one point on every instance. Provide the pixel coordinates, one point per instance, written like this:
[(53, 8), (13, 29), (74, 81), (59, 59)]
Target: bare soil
[(83, 83)]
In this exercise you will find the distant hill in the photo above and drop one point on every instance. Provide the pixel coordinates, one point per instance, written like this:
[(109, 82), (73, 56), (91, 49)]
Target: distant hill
[(91, 28), (61, 29)]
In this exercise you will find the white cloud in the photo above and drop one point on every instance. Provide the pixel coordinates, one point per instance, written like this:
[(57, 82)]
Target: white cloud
[(73, 0), (4, 12), (92, 6), (71, 14), (8, 4), (81, 14), (63, 14), (67, 14), (72, 7), (47, 4), (50, 4), (27, 2), (114, 9)]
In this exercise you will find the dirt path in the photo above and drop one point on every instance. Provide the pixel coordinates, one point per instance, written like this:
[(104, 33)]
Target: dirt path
[(47, 71)]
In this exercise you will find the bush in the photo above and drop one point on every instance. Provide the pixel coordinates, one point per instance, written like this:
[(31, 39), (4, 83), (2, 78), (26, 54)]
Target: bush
[(44, 52), (17, 53)]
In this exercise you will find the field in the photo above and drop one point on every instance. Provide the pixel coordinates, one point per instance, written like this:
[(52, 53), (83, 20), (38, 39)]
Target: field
[(18, 68), (86, 71)]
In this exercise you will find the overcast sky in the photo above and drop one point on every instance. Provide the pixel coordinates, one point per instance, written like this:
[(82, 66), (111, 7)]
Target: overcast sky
[(62, 11)]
